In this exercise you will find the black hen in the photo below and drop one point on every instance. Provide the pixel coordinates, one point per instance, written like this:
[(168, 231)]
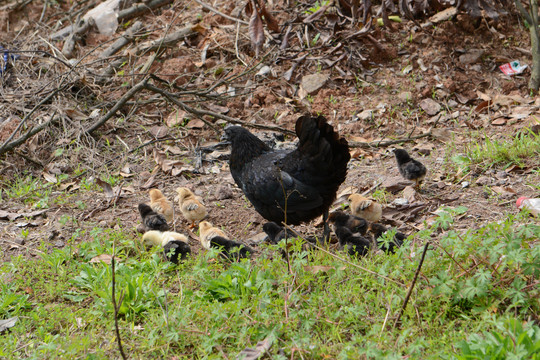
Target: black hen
[(356, 244), (290, 186), (409, 168), (151, 219)]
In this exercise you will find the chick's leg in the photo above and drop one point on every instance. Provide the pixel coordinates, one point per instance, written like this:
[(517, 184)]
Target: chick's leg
[(192, 226)]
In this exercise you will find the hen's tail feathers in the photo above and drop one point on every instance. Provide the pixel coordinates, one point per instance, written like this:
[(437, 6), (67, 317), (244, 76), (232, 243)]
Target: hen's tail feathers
[(322, 144)]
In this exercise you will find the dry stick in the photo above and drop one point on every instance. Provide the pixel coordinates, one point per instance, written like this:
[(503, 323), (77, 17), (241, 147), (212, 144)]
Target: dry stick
[(12, 145), (412, 285), (140, 9), (200, 113), (134, 90), (125, 39), (220, 13), (49, 97), (116, 306), (166, 41), (344, 260), (361, 144)]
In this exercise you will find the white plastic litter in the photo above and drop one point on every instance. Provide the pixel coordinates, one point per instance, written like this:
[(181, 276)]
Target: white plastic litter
[(512, 68)]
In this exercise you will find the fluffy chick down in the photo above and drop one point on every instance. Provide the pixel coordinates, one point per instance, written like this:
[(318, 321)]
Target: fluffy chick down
[(365, 208), (160, 204), (191, 208)]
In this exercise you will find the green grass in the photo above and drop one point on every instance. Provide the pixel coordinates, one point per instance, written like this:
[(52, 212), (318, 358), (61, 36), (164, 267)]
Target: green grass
[(519, 150), (471, 283)]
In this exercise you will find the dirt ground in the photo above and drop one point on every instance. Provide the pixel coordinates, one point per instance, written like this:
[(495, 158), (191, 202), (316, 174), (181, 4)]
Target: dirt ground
[(442, 79)]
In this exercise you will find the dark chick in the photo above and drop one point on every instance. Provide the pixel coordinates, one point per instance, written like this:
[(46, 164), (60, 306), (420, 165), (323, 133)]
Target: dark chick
[(175, 246), (409, 168), (303, 181), (354, 223), (378, 231), (232, 250), (356, 244), (277, 233), (151, 219)]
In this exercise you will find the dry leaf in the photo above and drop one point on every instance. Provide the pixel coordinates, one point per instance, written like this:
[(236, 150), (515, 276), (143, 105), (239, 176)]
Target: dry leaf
[(271, 22), (49, 177), (107, 188), (256, 32), (175, 118), (318, 268), (104, 258), (253, 354), (8, 323)]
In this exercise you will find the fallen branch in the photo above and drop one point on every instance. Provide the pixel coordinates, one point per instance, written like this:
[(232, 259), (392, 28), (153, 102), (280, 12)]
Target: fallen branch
[(166, 41), (140, 9), (80, 29), (22, 139), (134, 90), (125, 39), (361, 144), (412, 285), (200, 113)]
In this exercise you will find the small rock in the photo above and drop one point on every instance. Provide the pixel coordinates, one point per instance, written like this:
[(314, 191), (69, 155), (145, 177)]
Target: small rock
[(409, 193), (19, 241), (223, 192), (471, 57), (400, 201), (365, 115), (59, 244), (430, 106), (405, 96), (395, 184), (441, 185), (259, 238), (312, 83), (483, 180), (465, 184), (452, 104), (501, 174), (264, 71)]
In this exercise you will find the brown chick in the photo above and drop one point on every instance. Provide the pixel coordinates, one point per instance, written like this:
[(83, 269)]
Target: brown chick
[(365, 208), (160, 204), (207, 231), (192, 209)]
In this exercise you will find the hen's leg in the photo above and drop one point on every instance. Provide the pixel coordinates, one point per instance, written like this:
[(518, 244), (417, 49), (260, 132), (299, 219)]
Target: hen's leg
[(326, 232)]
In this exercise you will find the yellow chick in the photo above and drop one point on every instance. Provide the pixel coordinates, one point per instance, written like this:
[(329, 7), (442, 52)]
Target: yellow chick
[(160, 204), (365, 208), (207, 231), (152, 238), (192, 209)]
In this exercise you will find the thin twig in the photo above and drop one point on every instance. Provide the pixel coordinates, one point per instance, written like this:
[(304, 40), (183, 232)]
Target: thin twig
[(361, 144), (128, 95), (344, 260), (200, 113), (220, 13), (116, 306), (412, 285)]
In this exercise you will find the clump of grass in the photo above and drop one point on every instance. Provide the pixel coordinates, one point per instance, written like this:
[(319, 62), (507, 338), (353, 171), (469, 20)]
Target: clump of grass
[(516, 151)]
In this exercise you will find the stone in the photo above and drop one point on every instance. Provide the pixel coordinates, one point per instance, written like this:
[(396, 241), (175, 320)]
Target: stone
[(312, 83), (430, 106), (472, 56)]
